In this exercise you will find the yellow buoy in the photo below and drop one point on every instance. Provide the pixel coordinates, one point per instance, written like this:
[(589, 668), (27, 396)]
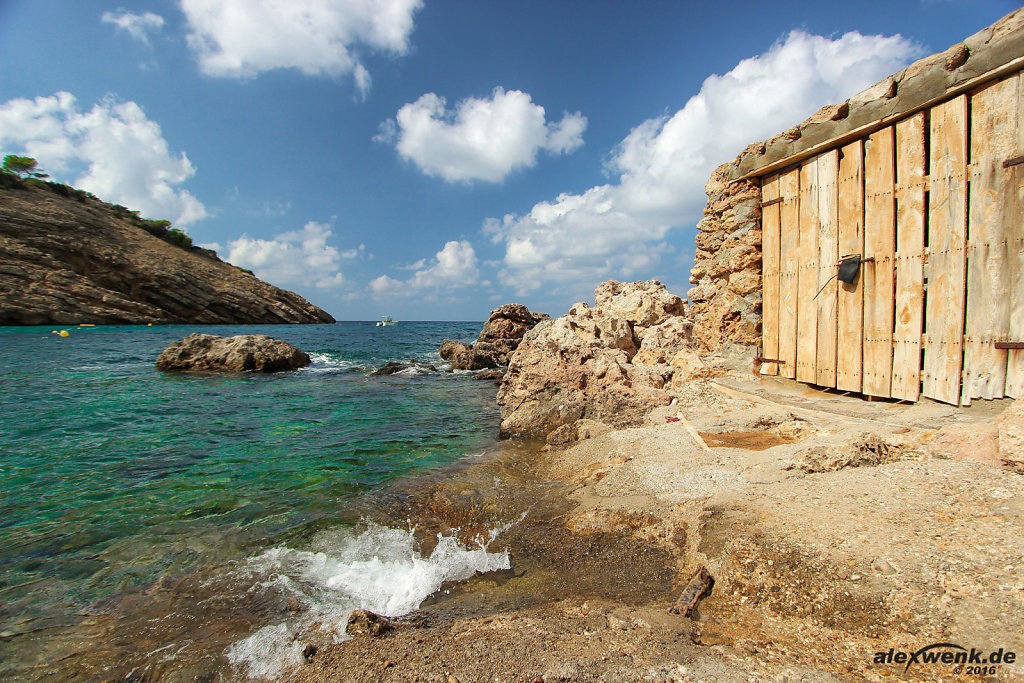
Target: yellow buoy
[(64, 333), (149, 324)]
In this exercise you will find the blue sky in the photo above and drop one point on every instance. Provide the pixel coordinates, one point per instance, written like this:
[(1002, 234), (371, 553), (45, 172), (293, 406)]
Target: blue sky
[(433, 159)]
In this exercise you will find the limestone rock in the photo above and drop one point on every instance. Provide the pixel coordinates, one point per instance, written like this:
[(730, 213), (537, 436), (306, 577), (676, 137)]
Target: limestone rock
[(497, 341), (1010, 434), (463, 356), (578, 367), (688, 366), (661, 342), (547, 386), (568, 434), (586, 326), (489, 374), (641, 303), (253, 352)]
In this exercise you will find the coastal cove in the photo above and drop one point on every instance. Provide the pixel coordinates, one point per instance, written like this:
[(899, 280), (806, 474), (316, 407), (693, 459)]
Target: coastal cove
[(119, 480)]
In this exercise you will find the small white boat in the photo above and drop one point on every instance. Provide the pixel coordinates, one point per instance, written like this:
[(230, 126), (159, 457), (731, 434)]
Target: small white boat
[(386, 321)]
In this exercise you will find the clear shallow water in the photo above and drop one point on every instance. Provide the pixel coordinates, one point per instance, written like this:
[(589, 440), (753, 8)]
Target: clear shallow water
[(115, 476)]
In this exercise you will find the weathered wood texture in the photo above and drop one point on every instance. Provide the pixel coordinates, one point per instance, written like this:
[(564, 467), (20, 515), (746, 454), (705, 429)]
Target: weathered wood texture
[(789, 259), (807, 285), (947, 233), (990, 295), (937, 307), (910, 226), (770, 236), (879, 244), (827, 291), (850, 309), (1013, 224)]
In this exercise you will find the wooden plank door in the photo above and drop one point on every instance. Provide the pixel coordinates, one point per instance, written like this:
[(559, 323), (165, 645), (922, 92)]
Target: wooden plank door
[(879, 244), (807, 281), (1012, 220), (789, 260), (910, 225), (770, 253), (947, 232), (850, 309), (989, 291), (827, 290)]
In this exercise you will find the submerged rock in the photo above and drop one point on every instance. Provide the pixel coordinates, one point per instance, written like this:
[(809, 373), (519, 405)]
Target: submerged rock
[(393, 367), (249, 352)]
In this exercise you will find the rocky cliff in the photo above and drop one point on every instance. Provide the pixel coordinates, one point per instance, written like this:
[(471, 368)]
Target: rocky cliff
[(74, 259)]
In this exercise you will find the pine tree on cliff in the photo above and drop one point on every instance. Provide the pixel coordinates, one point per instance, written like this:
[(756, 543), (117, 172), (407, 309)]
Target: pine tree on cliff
[(23, 167)]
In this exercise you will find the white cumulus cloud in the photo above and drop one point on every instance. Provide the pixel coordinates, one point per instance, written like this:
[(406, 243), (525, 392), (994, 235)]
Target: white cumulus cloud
[(453, 267), (295, 258), (113, 150), (481, 139), (618, 229), (138, 26), (242, 38)]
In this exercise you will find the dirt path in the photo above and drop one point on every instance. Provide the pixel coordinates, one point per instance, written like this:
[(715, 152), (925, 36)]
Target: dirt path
[(831, 529)]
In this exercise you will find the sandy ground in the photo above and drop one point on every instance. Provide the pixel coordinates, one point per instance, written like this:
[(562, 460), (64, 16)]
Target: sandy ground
[(831, 533)]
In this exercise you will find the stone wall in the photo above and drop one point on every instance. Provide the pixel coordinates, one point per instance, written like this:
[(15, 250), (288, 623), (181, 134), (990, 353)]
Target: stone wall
[(726, 302)]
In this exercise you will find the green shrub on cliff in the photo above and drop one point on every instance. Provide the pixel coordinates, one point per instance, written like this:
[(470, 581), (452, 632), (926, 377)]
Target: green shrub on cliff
[(19, 173)]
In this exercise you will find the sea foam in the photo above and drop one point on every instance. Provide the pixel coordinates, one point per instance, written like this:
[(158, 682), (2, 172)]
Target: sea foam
[(326, 363), (379, 569)]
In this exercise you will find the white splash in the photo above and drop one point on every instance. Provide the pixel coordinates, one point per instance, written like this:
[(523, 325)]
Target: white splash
[(379, 569), (327, 363)]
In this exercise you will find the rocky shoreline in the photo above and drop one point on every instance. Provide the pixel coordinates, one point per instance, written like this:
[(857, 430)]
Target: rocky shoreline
[(836, 530), (819, 562)]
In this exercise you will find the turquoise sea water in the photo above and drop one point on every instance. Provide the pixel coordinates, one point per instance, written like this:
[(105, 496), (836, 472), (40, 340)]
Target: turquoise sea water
[(115, 475)]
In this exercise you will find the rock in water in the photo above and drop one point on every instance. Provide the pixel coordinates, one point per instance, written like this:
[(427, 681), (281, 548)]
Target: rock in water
[(394, 367), (498, 339), (464, 356), (249, 352), (504, 330)]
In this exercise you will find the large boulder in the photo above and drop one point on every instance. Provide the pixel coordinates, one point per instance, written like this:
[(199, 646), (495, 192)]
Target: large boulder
[(250, 352), (498, 339), (576, 367), (463, 356), (643, 303)]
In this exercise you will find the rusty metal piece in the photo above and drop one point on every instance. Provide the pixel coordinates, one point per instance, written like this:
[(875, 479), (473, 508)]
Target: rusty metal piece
[(769, 360), (1016, 161), (1010, 345), (770, 202), (696, 590)]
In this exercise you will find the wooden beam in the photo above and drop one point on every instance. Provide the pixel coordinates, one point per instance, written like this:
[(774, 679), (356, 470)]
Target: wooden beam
[(868, 128)]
